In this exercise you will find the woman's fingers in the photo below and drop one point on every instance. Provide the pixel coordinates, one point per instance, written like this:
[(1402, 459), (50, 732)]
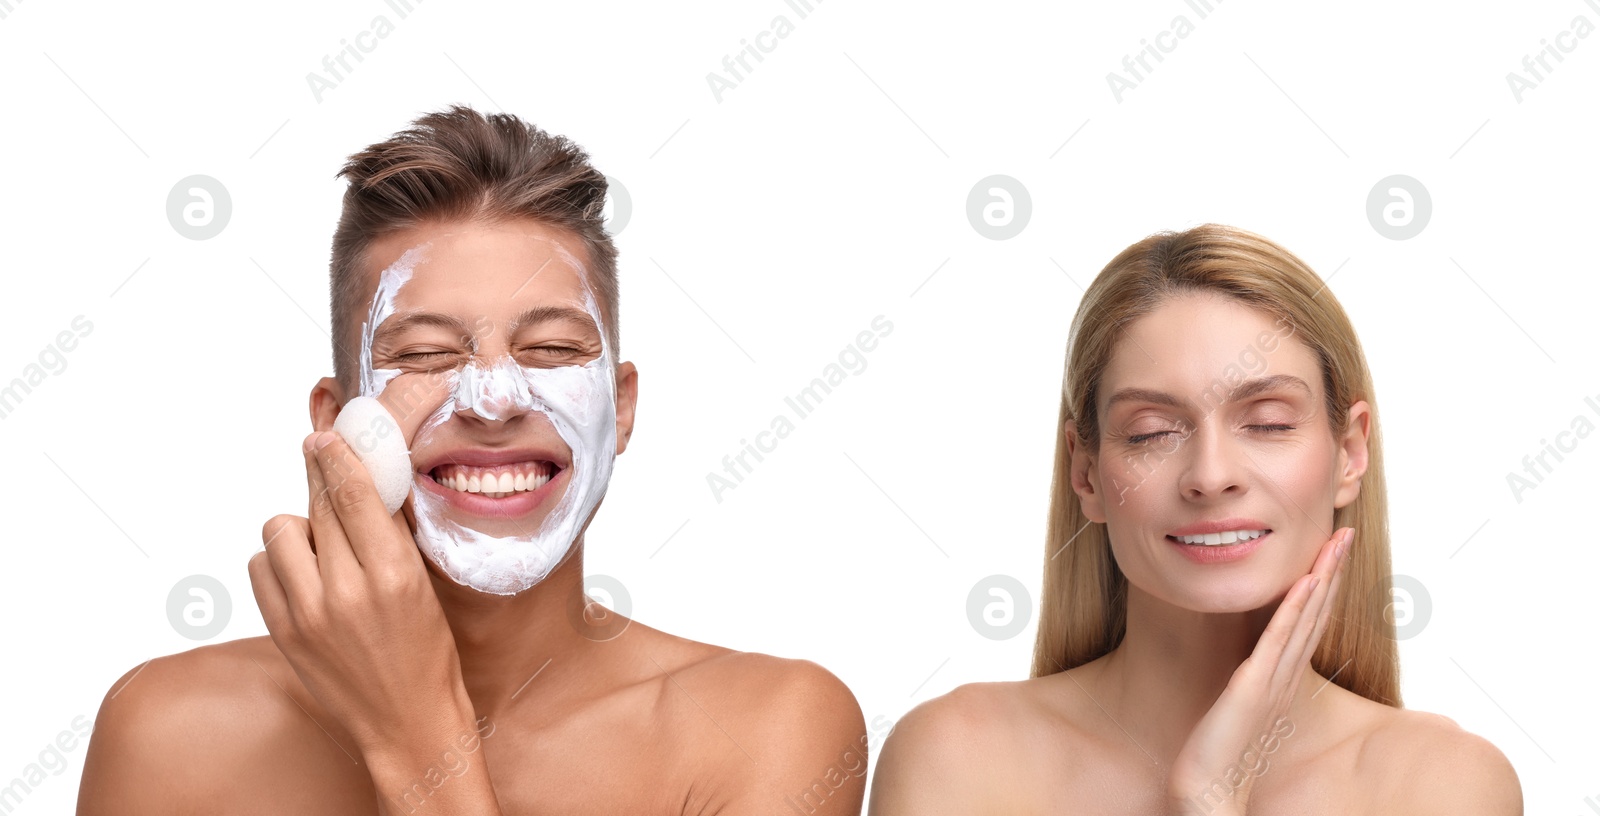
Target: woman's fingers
[(1292, 624), (1332, 599), (1275, 640), (1309, 624)]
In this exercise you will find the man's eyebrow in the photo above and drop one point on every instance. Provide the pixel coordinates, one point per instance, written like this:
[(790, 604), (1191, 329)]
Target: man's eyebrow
[(411, 320), (548, 314), (1244, 390), (534, 316)]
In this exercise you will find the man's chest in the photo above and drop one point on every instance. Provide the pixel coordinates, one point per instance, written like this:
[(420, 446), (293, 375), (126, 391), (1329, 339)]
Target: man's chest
[(534, 772)]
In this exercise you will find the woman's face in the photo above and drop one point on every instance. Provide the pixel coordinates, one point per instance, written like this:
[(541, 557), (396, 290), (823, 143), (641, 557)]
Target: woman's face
[(1214, 412)]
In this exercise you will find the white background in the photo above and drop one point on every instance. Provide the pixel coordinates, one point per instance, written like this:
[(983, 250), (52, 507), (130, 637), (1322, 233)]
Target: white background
[(767, 230)]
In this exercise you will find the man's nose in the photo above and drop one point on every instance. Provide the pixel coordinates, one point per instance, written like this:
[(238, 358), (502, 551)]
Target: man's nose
[(498, 390)]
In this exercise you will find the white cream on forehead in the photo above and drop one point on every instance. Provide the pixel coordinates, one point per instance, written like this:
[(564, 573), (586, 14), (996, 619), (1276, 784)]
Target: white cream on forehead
[(579, 402)]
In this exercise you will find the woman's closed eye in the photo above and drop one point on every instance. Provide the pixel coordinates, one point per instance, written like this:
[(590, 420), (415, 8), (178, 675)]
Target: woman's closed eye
[(1140, 439)]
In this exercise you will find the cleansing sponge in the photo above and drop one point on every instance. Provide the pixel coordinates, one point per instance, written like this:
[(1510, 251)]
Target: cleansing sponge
[(373, 434)]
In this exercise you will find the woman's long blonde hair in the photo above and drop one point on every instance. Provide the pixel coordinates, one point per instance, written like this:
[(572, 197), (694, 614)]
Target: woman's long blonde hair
[(1083, 608)]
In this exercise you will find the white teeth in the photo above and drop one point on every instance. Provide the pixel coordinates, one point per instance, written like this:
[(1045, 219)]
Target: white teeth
[(497, 482), (1218, 539)]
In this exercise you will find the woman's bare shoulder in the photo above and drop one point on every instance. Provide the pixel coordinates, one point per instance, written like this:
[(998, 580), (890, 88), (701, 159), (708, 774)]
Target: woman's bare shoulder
[(1430, 764), (960, 752), (990, 716)]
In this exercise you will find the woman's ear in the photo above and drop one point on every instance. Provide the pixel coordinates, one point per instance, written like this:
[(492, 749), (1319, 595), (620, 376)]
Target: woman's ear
[(1085, 476), (1353, 456)]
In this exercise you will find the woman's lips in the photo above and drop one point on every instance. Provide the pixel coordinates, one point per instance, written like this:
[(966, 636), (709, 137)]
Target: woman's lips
[(513, 506), (1219, 553)]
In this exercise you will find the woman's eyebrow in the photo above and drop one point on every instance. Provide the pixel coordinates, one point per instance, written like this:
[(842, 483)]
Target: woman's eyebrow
[(1250, 388), (1244, 390)]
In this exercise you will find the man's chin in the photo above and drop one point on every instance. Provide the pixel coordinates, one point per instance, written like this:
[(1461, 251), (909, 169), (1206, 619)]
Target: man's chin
[(481, 565)]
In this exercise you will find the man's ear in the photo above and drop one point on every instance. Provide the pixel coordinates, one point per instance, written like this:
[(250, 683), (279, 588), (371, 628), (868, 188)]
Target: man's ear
[(327, 397), (627, 401), (1085, 476)]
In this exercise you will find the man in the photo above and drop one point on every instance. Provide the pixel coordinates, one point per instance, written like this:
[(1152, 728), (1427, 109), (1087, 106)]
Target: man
[(444, 659)]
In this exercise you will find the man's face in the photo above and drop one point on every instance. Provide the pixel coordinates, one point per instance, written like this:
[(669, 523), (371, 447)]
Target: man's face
[(493, 333)]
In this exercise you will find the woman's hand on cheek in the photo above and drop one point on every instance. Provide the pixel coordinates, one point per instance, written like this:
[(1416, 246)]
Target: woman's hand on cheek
[(1232, 744), (349, 602)]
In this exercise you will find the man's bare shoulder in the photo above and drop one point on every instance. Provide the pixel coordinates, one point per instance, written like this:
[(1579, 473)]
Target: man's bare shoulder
[(758, 692), (766, 728), (1429, 764), (181, 729), (172, 696)]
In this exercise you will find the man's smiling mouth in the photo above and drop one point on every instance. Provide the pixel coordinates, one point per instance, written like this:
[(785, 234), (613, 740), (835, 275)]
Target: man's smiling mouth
[(498, 481)]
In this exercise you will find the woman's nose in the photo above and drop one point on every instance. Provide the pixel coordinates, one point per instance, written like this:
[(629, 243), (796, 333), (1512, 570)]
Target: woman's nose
[(1212, 463)]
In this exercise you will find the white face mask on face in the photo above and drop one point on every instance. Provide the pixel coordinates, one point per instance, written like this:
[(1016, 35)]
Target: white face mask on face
[(498, 556)]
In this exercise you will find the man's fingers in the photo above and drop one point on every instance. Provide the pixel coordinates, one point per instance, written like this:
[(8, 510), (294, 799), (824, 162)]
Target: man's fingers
[(334, 555), (356, 511), (332, 479), (289, 554), (269, 593)]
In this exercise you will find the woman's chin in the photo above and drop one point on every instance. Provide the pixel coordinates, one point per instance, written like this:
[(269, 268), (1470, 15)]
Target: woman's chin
[(1224, 598)]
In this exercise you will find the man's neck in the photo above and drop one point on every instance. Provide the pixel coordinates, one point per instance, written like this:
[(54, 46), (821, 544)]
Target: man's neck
[(506, 642)]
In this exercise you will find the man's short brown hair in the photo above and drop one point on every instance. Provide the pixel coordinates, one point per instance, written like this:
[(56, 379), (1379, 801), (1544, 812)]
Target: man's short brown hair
[(460, 165)]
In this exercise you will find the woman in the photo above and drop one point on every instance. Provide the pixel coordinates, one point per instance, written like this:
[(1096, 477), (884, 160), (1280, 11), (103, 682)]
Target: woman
[(1212, 637)]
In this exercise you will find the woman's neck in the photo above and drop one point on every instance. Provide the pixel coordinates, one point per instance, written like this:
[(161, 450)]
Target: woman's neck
[(1171, 667)]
